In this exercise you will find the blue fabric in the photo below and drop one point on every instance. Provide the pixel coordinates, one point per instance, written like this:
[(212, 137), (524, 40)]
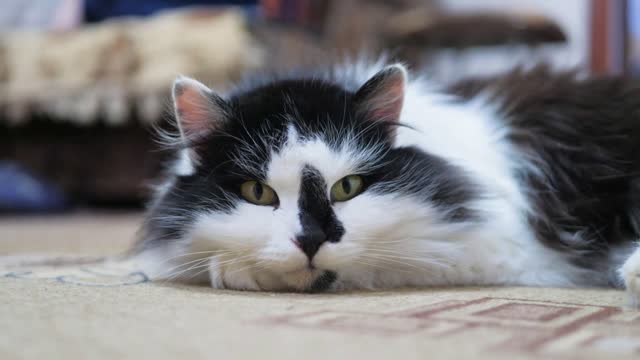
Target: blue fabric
[(98, 10), (21, 191)]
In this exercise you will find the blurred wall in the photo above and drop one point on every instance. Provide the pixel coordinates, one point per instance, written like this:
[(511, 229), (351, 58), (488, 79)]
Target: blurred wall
[(572, 15)]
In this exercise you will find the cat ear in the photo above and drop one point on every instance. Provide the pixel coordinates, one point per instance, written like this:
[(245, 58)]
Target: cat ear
[(198, 109), (382, 96)]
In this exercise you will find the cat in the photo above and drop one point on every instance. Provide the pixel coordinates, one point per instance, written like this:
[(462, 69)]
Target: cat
[(365, 177)]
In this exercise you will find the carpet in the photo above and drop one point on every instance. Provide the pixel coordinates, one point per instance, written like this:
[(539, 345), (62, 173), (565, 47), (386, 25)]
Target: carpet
[(113, 311)]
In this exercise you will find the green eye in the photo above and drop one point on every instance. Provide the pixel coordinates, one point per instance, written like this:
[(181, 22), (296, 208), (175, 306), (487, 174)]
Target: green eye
[(347, 188), (258, 193)]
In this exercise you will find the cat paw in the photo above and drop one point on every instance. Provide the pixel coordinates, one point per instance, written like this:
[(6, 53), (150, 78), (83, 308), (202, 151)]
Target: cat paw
[(630, 273)]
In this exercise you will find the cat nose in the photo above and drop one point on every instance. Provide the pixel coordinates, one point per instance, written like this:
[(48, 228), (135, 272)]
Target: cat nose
[(310, 241)]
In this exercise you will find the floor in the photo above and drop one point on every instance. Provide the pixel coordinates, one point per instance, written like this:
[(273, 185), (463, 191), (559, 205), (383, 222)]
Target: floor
[(112, 311), (86, 233)]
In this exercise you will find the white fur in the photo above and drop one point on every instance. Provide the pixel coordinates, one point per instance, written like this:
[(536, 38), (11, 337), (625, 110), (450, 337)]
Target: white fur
[(183, 166), (630, 274), (391, 240)]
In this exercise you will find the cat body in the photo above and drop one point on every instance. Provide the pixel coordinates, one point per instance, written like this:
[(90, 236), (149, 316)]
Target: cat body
[(363, 177)]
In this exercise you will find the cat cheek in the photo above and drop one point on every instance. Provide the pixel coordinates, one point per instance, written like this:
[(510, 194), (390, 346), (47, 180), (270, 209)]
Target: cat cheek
[(337, 256)]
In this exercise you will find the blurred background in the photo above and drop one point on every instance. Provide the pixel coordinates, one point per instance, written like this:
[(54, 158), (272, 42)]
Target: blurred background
[(83, 81)]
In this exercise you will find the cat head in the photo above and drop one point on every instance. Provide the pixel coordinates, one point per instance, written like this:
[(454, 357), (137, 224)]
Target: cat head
[(299, 185)]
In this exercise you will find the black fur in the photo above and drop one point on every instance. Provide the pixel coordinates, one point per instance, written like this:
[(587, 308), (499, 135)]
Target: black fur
[(319, 222), (429, 178), (323, 282), (259, 117), (584, 137), (581, 138)]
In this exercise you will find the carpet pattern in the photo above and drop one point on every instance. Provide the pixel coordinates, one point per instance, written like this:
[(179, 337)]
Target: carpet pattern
[(112, 310)]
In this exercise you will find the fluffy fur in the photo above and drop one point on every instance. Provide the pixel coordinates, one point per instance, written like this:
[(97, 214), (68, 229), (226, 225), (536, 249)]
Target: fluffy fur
[(526, 179)]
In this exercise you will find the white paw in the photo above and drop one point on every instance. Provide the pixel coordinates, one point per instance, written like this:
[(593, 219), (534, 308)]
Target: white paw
[(630, 273), (236, 276)]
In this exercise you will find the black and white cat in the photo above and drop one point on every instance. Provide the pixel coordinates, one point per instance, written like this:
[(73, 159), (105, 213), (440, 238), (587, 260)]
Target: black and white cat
[(364, 177)]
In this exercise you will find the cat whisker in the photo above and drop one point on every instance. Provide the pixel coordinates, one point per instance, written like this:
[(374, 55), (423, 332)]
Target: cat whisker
[(411, 260), (408, 261), (234, 271), (378, 266), (206, 268), (176, 274), (191, 254), (197, 263), (187, 263)]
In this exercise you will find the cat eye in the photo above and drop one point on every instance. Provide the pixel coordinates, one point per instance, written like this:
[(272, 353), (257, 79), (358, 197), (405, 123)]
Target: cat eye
[(258, 193), (347, 188)]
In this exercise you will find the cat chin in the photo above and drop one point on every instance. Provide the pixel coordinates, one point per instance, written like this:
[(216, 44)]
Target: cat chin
[(303, 279)]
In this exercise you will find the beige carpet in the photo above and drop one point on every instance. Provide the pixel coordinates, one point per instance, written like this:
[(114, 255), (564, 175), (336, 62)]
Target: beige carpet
[(113, 312)]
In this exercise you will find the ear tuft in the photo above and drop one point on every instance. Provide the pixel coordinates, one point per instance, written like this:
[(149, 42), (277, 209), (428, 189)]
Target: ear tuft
[(198, 110), (381, 97)]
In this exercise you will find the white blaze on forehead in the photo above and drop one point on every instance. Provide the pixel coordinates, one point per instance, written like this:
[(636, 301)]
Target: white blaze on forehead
[(183, 165), (284, 172)]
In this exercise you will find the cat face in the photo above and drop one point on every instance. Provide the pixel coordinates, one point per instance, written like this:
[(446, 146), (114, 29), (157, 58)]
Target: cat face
[(297, 185)]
